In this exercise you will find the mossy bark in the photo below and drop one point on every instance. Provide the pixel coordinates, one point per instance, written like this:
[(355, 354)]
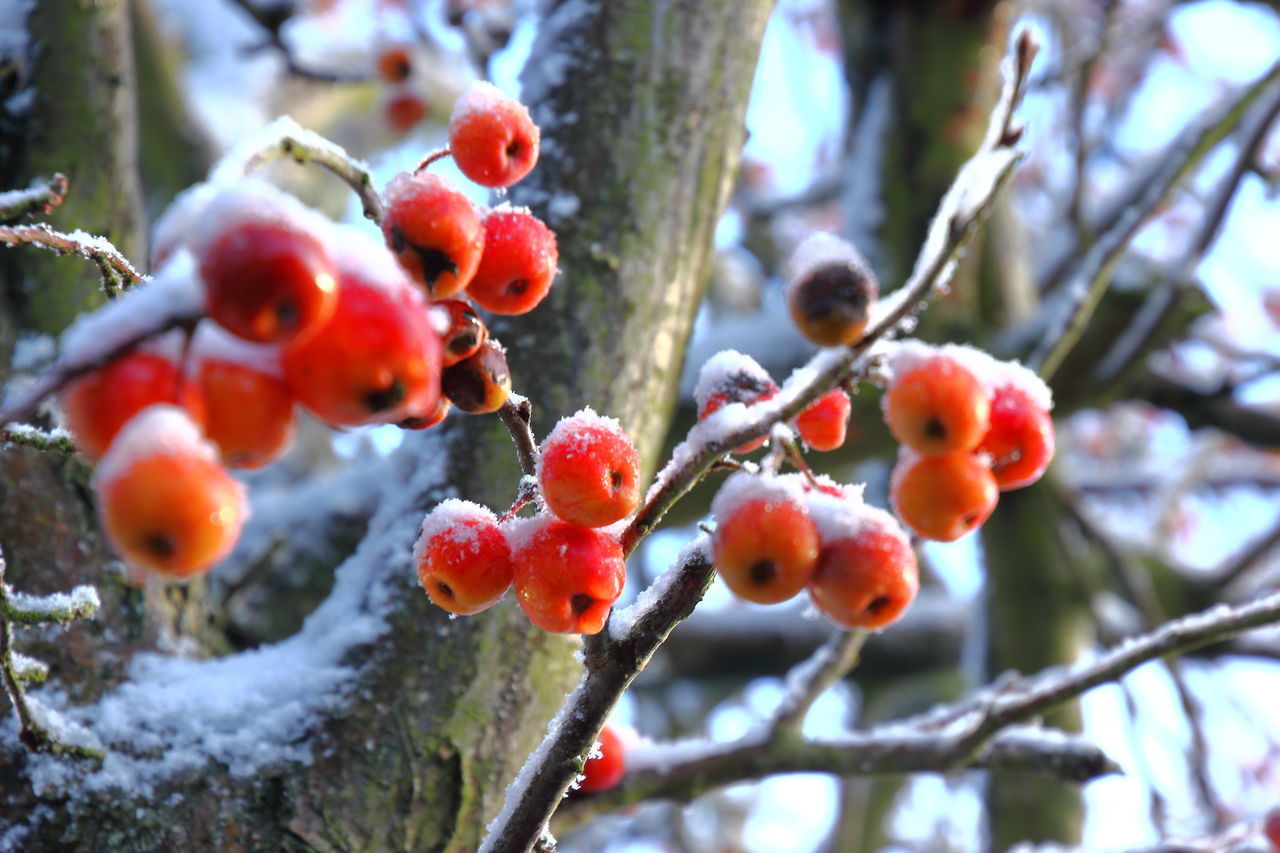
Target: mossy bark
[(444, 711)]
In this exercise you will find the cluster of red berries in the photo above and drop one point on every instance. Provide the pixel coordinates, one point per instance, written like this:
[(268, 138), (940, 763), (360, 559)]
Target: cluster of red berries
[(300, 311), (970, 427), (567, 568), (729, 378), (779, 534)]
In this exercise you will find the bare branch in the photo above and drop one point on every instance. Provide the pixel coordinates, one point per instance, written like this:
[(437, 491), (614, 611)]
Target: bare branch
[(40, 198)]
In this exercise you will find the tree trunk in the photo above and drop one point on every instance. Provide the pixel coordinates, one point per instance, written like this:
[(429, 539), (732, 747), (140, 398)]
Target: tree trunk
[(642, 109)]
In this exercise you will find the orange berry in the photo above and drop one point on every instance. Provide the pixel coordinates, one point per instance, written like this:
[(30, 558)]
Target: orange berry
[(823, 425), (434, 230), (589, 470), (765, 545), (566, 577), (164, 501), (937, 407), (1020, 440), (942, 497), (493, 140), (463, 560), (395, 64), (403, 110), (831, 291)]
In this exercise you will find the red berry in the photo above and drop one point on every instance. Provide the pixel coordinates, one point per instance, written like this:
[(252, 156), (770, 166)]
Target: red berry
[(866, 574), (605, 766), (824, 424), (491, 136), (942, 497), (937, 406), (403, 110), (267, 276), (730, 377), (518, 263), (1271, 828), (481, 383), (249, 407), (434, 230), (765, 545), (462, 332), (831, 291), (376, 360), (589, 471), (395, 64), (566, 577), (164, 501), (463, 560), (1020, 440), (99, 403)]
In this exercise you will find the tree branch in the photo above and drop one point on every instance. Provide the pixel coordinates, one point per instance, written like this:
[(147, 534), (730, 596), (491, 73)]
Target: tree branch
[(117, 273), (41, 198)]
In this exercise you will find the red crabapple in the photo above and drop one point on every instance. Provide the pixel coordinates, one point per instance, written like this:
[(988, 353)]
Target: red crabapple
[(403, 110), (98, 403), (463, 560), (604, 769), (589, 470), (866, 575), (434, 230), (1020, 440), (937, 406), (566, 577), (164, 500), (830, 291), (249, 407), (518, 263), (378, 357), (395, 64), (491, 136), (765, 545), (463, 331), (1271, 828), (267, 275), (823, 425), (481, 383), (942, 497), (731, 377)]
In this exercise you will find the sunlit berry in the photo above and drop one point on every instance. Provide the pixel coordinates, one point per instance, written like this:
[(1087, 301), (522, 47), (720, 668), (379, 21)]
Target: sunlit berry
[(765, 545), (731, 377), (937, 406), (462, 330), (480, 383), (566, 577), (866, 575), (97, 404), (249, 407), (434, 230), (606, 766), (518, 263), (491, 136), (942, 497), (1020, 439), (462, 557), (823, 425), (589, 470), (376, 360), (831, 291), (267, 275), (164, 501)]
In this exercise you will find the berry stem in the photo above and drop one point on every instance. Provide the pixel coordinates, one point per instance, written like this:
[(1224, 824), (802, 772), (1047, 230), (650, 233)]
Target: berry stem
[(517, 414), (438, 154)]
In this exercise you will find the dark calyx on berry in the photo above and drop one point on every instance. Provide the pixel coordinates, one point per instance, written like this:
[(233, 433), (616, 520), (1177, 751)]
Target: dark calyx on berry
[(763, 571), (381, 399), (839, 288), (434, 261)]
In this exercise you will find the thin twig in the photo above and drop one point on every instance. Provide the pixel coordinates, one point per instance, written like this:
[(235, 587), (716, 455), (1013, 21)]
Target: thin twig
[(272, 21), (24, 435), (40, 198), (829, 663), (438, 154), (117, 273)]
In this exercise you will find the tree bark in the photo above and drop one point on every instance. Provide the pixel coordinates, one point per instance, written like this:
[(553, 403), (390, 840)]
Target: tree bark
[(641, 143)]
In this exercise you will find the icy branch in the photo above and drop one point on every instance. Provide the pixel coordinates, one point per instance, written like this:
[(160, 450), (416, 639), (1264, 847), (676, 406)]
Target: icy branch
[(284, 137), (614, 657), (117, 273), (40, 198), (25, 435)]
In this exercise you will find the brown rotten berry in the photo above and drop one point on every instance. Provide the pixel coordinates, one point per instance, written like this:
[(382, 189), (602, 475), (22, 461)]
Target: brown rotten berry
[(481, 383), (462, 330), (830, 291)]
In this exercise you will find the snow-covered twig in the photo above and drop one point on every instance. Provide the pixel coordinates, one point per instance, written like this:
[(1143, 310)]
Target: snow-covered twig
[(40, 198), (117, 273), (25, 435), (829, 663), (284, 137), (615, 657), (34, 721), (272, 17), (517, 414)]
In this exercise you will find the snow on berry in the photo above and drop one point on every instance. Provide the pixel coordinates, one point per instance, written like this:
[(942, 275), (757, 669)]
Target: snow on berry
[(213, 343), (903, 356), (179, 222), (731, 372), (463, 558), (155, 431), (589, 470)]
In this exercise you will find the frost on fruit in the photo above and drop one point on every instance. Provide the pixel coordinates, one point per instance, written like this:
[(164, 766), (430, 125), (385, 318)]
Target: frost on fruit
[(160, 430), (449, 519), (731, 372)]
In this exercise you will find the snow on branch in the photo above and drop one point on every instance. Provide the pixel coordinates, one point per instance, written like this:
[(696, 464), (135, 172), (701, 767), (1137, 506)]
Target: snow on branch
[(42, 729), (283, 138), (25, 435), (42, 197), (614, 657), (117, 273)]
